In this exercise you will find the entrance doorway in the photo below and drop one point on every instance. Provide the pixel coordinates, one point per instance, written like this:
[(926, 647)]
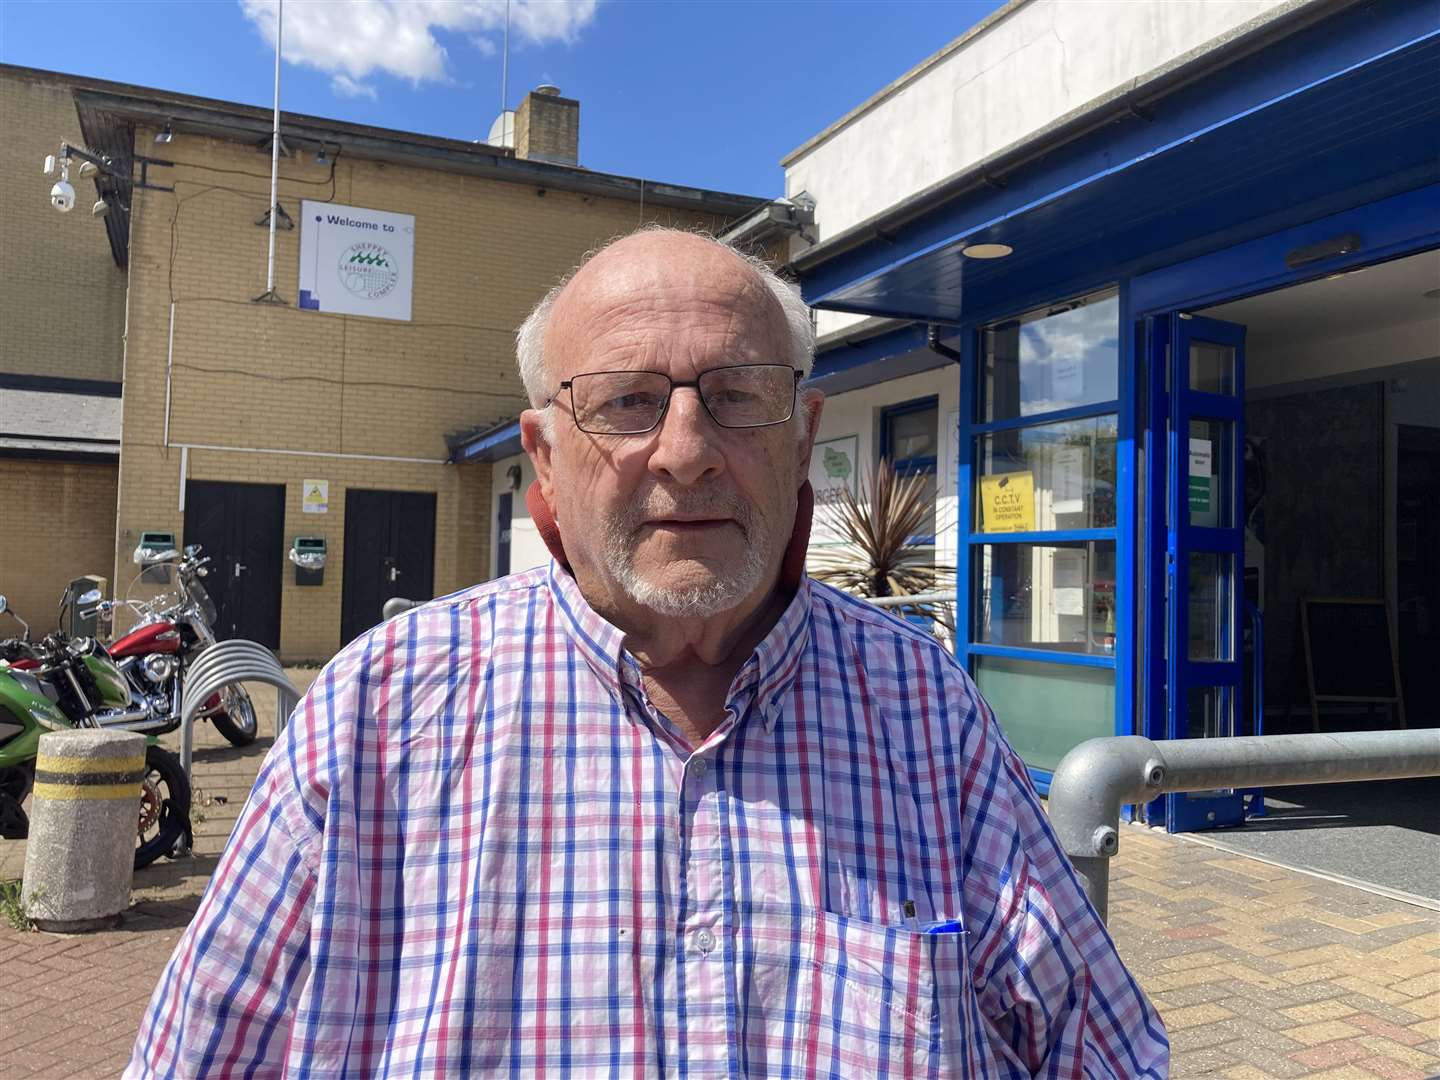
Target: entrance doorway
[(242, 528), (389, 552), (1323, 482)]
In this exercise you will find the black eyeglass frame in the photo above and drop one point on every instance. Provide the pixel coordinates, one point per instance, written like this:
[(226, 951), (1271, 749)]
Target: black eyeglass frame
[(670, 393)]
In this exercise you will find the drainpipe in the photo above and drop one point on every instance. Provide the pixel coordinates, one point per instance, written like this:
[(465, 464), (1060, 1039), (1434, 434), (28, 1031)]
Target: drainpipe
[(933, 342)]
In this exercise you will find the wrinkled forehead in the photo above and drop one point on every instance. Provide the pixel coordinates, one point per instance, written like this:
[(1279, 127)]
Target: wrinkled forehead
[(680, 305)]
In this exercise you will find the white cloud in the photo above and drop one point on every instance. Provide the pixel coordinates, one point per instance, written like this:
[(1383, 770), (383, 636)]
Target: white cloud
[(351, 40)]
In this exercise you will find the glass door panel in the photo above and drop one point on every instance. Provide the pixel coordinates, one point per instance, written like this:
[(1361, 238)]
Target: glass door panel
[(1205, 544)]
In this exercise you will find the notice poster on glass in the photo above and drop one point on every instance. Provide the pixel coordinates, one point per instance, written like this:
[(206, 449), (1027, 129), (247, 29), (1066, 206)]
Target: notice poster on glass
[(356, 261), (1007, 502), (1069, 570), (1067, 481), (1201, 482)]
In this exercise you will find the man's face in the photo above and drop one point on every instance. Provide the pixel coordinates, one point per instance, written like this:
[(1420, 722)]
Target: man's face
[(689, 519)]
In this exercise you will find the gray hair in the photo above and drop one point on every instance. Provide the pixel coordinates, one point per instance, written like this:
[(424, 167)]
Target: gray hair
[(530, 338)]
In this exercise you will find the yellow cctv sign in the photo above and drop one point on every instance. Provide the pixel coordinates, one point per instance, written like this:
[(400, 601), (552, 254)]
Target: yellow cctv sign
[(1008, 502)]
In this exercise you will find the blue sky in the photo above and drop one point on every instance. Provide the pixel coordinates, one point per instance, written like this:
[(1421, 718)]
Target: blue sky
[(704, 93)]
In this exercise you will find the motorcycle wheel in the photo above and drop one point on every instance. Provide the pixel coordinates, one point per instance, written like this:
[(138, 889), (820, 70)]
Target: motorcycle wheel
[(236, 721), (164, 806)]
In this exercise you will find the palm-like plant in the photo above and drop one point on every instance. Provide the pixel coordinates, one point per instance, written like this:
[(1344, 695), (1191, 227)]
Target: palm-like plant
[(879, 555)]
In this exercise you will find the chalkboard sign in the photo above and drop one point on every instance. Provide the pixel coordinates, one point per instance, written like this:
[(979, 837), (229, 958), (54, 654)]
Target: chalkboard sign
[(1350, 653)]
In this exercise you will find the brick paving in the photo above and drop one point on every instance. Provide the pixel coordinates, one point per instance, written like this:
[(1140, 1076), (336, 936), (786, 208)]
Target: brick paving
[(1261, 972)]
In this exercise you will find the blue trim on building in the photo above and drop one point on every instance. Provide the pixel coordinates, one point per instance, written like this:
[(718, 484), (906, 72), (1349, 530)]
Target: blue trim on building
[(1342, 112), (497, 443), (1044, 656)]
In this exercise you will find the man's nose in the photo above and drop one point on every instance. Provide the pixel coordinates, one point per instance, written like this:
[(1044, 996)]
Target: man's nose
[(686, 448)]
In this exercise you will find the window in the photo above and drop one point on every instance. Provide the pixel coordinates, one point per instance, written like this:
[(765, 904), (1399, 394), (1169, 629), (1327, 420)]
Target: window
[(910, 441), (1041, 549)]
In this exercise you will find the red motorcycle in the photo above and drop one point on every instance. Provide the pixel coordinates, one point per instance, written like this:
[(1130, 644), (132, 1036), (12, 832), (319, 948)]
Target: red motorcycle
[(173, 629)]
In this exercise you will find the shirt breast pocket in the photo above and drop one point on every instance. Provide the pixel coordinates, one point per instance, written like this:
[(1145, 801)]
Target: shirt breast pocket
[(884, 1000)]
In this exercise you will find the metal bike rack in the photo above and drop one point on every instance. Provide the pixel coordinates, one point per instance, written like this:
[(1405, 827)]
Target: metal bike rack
[(1096, 778), (222, 664), (214, 669)]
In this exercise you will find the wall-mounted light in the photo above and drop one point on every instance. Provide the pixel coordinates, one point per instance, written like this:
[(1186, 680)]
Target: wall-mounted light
[(513, 474), (320, 156), (1332, 248), (100, 209), (987, 251), (166, 135)]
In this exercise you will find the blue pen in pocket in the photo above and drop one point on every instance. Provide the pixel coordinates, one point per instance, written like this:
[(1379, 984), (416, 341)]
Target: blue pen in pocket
[(943, 926)]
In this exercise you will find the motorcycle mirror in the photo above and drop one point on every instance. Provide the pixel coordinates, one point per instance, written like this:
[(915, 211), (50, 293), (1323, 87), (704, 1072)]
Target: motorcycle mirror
[(91, 596), (4, 605)]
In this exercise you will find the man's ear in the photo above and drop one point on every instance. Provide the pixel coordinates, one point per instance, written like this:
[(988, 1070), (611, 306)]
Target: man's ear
[(536, 443), (812, 403)]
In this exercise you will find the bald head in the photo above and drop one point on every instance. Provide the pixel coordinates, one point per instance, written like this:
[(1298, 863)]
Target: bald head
[(651, 268)]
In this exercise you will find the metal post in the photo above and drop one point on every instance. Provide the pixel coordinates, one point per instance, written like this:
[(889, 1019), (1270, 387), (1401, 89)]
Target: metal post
[(275, 152), (1100, 775)]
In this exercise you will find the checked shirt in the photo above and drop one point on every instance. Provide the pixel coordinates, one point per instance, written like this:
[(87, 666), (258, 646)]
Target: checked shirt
[(479, 849)]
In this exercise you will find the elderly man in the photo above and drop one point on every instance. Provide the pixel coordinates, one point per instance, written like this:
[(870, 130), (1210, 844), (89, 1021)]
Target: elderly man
[(665, 806)]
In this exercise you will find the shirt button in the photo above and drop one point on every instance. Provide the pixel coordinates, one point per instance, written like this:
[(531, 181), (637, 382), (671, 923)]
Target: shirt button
[(704, 941), (698, 768)]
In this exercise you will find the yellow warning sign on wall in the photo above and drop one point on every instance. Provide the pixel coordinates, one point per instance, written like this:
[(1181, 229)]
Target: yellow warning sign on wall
[(316, 497), (1007, 502)]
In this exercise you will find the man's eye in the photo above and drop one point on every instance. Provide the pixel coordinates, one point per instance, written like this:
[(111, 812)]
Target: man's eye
[(732, 396), (636, 400)]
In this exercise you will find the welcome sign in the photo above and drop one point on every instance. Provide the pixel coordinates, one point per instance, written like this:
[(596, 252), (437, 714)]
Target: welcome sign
[(356, 261)]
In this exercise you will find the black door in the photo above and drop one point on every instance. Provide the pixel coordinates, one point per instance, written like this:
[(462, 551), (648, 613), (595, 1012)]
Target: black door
[(242, 528), (389, 551)]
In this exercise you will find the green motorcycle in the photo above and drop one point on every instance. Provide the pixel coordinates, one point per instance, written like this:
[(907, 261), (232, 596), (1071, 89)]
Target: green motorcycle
[(61, 682)]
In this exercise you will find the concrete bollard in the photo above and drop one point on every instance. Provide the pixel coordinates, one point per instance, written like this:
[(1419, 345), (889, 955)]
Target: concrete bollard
[(80, 857)]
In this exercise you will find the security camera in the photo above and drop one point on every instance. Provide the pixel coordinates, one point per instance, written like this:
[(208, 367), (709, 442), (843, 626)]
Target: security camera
[(62, 197)]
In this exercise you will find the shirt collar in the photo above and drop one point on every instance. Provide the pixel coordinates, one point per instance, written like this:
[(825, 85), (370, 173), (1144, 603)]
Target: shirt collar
[(768, 672)]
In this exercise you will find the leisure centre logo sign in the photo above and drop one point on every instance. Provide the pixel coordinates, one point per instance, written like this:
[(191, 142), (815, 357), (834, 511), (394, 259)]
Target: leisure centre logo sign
[(368, 270), (356, 261)]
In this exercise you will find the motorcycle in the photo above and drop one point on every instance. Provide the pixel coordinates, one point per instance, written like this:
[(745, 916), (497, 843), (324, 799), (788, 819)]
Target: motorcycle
[(171, 631), (61, 682)]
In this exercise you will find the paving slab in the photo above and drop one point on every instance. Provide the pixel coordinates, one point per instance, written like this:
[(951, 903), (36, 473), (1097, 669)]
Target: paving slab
[(1262, 972)]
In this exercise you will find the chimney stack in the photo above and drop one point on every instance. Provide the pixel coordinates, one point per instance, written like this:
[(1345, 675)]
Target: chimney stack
[(547, 127)]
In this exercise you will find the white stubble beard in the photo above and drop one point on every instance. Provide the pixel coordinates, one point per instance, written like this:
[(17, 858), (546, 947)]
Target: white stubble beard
[(706, 598)]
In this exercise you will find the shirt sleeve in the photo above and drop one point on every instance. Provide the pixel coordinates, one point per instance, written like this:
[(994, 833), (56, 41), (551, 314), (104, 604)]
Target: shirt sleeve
[(226, 1001), (1054, 994)]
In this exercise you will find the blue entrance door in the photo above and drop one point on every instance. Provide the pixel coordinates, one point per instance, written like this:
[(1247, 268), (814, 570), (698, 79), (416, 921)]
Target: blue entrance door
[(1205, 539)]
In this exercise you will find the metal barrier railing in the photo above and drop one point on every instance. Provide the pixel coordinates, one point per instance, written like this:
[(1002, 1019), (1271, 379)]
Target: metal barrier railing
[(396, 604), (1096, 778), (915, 598)]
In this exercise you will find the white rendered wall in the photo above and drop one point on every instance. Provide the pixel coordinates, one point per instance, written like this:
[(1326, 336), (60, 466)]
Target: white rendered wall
[(1032, 64), (858, 413), (526, 547)]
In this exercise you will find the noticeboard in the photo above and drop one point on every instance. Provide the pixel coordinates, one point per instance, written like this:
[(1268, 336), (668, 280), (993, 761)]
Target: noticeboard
[(1349, 652)]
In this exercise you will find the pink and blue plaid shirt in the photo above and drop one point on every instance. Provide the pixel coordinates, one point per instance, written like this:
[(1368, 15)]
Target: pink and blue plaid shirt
[(480, 849)]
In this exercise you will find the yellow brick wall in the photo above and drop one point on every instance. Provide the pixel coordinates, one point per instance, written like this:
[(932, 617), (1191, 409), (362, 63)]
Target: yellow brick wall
[(281, 379), (62, 308), (58, 524)]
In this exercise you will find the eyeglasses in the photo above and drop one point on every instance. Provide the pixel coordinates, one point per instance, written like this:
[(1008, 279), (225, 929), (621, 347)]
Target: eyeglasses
[(634, 402)]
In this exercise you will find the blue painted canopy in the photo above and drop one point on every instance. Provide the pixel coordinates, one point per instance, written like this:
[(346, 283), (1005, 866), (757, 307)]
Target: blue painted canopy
[(1340, 114)]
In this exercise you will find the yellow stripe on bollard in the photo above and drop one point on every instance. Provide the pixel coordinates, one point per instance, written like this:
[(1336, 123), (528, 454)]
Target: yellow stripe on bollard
[(69, 779), (77, 793)]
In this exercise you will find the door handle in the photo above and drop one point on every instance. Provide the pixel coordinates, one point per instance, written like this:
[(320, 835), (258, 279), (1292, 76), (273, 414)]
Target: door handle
[(239, 568), (394, 574)]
